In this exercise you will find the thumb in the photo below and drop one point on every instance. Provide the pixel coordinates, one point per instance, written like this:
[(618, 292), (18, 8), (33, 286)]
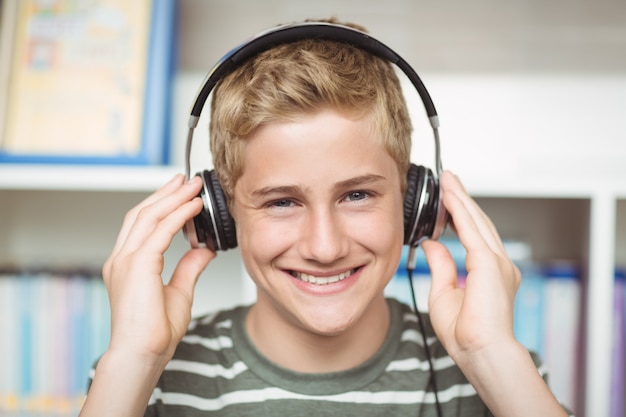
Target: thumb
[(179, 291), (189, 269), (442, 269)]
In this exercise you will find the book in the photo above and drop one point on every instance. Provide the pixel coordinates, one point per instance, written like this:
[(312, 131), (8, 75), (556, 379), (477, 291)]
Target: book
[(55, 325), (9, 350), (562, 325), (86, 83), (528, 317)]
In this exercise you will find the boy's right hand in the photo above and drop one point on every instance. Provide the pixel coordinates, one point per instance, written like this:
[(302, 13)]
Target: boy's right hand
[(149, 317)]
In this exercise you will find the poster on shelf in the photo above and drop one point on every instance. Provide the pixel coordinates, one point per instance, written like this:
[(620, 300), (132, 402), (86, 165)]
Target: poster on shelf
[(85, 82)]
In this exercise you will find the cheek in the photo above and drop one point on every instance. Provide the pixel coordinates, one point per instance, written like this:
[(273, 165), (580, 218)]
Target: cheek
[(263, 240), (380, 233), (384, 236), (386, 225)]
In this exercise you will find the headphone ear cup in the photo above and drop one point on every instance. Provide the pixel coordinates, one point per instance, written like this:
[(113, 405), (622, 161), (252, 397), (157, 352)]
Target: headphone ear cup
[(224, 225), (423, 213), (213, 227), (414, 179)]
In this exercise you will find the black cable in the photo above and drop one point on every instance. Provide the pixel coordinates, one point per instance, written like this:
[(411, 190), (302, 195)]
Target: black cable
[(420, 322)]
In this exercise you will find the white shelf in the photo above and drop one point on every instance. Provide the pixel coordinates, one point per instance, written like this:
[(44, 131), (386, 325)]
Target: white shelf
[(149, 178), (84, 177)]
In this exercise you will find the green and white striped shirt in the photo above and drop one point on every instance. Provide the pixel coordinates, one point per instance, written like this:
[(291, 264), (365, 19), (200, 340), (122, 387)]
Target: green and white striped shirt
[(216, 371)]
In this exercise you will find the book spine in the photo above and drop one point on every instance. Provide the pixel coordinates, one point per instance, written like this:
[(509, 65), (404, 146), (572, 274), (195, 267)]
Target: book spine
[(529, 308), (9, 347), (43, 333), (562, 329), (24, 336), (78, 334)]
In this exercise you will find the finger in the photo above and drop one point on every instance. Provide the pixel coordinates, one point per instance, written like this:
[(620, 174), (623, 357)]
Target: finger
[(183, 282), (172, 210), (478, 251), (166, 189), (156, 235), (146, 261), (442, 267), (445, 298), (468, 218), (478, 235), (190, 267), (453, 185), (131, 216)]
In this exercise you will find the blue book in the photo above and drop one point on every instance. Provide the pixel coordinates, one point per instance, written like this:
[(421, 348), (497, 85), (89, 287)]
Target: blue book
[(25, 336), (78, 334), (529, 309), (99, 319)]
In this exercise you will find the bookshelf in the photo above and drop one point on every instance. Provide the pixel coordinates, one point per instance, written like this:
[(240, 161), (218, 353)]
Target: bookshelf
[(63, 219), (62, 222), (544, 164)]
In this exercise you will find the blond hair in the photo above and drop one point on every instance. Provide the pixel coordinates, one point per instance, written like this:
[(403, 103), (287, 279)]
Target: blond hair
[(299, 78)]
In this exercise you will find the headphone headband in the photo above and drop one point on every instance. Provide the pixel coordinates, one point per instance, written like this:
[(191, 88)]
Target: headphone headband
[(308, 30)]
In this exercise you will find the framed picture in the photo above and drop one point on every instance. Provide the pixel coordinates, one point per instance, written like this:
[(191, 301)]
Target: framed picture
[(86, 81)]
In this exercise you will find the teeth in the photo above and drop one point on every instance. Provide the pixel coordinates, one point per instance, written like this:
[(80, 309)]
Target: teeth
[(322, 280)]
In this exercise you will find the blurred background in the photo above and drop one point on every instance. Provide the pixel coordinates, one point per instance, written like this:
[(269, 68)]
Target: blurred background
[(531, 95)]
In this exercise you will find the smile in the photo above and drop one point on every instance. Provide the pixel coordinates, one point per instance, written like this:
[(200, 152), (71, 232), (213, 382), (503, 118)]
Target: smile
[(312, 279)]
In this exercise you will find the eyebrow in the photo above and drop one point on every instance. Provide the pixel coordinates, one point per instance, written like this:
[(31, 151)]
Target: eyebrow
[(359, 181), (268, 191)]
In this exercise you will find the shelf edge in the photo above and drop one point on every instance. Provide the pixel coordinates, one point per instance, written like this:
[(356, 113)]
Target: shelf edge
[(85, 178)]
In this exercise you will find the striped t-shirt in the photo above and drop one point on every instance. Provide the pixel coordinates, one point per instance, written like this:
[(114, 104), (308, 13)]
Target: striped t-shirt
[(216, 371)]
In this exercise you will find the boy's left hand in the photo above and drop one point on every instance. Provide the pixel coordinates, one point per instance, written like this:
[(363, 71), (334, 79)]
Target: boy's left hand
[(469, 319)]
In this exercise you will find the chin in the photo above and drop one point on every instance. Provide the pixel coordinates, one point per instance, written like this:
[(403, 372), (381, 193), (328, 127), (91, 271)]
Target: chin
[(329, 320)]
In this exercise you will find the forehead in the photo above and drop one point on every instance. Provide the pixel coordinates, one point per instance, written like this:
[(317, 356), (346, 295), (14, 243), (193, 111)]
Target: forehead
[(327, 142), (313, 133)]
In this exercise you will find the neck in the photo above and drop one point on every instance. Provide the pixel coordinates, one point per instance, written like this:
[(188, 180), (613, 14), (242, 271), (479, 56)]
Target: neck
[(293, 347)]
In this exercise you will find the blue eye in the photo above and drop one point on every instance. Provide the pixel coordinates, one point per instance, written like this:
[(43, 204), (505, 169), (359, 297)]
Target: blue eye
[(283, 203), (357, 195)]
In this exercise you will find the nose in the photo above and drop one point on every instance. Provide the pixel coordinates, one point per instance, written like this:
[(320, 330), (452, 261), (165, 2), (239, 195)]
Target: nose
[(323, 236)]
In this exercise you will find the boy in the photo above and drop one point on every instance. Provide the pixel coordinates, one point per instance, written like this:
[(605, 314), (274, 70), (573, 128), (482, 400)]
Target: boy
[(311, 144)]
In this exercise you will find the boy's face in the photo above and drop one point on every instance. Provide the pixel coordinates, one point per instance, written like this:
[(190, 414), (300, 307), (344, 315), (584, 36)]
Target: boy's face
[(319, 220)]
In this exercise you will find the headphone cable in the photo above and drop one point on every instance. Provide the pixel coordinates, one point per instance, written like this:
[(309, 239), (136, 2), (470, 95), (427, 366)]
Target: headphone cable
[(433, 380)]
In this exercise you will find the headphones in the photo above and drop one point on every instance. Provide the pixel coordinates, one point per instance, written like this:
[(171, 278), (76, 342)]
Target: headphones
[(424, 214)]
